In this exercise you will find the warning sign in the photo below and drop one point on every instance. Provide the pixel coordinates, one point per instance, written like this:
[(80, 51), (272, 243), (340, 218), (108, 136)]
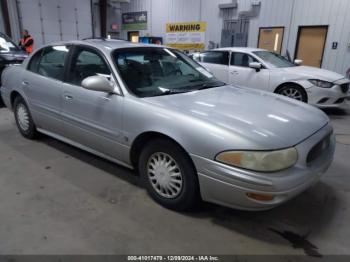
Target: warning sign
[(186, 36)]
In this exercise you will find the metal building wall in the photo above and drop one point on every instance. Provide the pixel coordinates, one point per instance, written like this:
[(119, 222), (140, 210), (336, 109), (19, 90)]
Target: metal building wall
[(335, 14), (294, 13), (287, 13), (55, 20), (272, 13), (161, 12)]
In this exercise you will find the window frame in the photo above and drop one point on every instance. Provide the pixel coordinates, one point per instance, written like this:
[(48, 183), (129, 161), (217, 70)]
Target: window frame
[(77, 49), (39, 54), (35, 58), (250, 55), (215, 51)]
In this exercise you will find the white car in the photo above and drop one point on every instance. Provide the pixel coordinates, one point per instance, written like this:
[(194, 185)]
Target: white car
[(264, 70)]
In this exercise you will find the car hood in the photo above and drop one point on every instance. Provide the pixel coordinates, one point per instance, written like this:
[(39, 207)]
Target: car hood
[(267, 120), (13, 55), (308, 72)]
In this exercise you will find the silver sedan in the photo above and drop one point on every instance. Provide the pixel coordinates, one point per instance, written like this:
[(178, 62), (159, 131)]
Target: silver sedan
[(190, 136)]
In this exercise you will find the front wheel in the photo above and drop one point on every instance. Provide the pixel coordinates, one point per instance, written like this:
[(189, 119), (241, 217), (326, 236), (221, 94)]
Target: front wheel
[(294, 92), (169, 175), (23, 118)]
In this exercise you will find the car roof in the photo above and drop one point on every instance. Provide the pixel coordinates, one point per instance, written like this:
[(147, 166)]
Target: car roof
[(106, 45), (239, 49)]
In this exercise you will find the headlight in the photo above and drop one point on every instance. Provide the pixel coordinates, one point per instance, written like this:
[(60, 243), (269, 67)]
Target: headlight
[(262, 161), (321, 83)]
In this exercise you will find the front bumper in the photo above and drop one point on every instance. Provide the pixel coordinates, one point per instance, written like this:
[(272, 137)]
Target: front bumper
[(229, 186), (333, 97)]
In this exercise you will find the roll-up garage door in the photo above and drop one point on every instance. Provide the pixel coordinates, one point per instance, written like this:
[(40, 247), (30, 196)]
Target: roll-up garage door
[(2, 24), (56, 20)]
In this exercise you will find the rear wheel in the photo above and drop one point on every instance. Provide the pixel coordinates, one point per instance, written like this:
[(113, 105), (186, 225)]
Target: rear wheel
[(23, 118), (168, 175), (294, 92)]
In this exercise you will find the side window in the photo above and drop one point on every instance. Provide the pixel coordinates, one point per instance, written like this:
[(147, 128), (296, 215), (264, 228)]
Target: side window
[(34, 62), (52, 60), (241, 59), (215, 57), (87, 63)]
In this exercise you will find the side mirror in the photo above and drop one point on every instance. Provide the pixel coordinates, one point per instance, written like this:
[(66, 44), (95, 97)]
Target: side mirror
[(255, 65), (298, 62), (98, 83)]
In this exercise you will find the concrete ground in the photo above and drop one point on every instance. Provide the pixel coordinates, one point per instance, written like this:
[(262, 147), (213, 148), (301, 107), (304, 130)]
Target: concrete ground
[(56, 199)]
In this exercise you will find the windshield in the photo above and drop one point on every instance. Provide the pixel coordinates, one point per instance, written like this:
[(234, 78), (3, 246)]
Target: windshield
[(273, 60), (6, 45), (149, 71)]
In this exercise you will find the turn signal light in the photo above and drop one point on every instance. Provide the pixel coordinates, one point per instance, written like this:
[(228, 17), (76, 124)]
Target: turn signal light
[(260, 197)]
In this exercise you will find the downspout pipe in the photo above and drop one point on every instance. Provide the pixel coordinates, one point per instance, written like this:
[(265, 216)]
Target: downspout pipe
[(103, 17), (5, 10)]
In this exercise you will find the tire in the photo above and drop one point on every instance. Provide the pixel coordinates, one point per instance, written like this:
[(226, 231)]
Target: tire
[(177, 187), (293, 91), (24, 121)]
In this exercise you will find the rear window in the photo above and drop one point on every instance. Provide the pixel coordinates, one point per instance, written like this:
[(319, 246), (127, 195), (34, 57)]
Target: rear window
[(214, 57), (52, 61)]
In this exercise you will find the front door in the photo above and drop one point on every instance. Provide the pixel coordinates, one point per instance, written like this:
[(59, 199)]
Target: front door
[(242, 75), (217, 63), (92, 119), (271, 39), (310, 45), (44, 82)]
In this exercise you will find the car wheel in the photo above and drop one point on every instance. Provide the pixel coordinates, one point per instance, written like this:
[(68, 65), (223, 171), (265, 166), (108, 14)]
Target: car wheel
[(293, 91), (168, 175), (23, 118)]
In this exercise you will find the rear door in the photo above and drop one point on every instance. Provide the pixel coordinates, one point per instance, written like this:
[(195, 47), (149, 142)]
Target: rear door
[(43, 85), (217, 62), (92, 119), (241, 74)]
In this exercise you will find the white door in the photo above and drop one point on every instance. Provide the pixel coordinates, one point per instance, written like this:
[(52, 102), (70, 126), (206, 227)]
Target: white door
[(56, 20), (217, 62), (242, 75)]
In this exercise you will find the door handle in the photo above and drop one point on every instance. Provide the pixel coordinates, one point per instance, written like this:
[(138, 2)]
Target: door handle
[(25, 83), (68, 97), (105, 98), (234, 72)]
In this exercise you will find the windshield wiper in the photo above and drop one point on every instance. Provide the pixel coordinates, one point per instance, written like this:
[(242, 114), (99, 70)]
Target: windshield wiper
[(172, 92), (210, 85)]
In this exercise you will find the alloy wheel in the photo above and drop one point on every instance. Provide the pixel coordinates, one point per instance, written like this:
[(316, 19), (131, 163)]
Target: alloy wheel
[(292, 93)]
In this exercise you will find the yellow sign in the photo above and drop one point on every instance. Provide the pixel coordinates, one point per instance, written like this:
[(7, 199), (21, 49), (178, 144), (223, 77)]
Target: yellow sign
[(186, 36), (186, 27), (187, 46)]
